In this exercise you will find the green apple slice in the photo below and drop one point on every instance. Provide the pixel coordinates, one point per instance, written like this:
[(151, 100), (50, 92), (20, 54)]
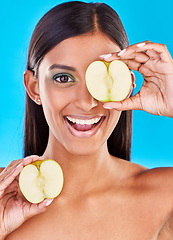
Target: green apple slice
[(108, 82), (40, 180)]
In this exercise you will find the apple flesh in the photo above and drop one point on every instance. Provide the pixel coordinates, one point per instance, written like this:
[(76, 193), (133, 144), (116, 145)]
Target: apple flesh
[(108, 82), (40, 180)]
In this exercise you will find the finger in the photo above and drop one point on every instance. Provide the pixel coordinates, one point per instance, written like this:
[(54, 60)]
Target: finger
[(140, 67), (109, 57), (155, 51), (7, 197), (159, 49), (132, 64), (132, 103), (15, 163), (12, 165), (13, 187), (152, 50), (30, 159), (153, 55), (7, 177), (125, 52), (9, 192), (134, 61), (139, 57), (142, 47), (34, 209)]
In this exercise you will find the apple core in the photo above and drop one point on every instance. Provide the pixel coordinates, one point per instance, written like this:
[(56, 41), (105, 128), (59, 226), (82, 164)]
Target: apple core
[(40, 180), (108, 82)]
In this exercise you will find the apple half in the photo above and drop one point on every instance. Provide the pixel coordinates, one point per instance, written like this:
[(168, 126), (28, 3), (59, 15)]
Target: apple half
[(40, 180), (108, 81)]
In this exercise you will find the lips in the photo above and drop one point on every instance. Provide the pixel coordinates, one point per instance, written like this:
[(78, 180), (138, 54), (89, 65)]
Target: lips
[(81, 127), (83, 124)]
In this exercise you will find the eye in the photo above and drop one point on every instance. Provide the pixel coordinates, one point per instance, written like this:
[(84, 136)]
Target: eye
[(63, 78)]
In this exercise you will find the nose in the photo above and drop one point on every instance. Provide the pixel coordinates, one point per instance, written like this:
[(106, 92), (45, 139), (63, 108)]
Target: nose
[(83, 99)]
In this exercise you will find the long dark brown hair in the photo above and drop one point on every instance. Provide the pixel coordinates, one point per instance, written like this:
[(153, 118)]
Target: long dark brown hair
[(61, 22)]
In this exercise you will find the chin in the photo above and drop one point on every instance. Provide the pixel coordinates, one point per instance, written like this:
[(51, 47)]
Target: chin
[(84, 149)]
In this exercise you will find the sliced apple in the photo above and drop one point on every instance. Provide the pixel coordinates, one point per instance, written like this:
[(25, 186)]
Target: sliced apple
[(41, 179), (108, 82)]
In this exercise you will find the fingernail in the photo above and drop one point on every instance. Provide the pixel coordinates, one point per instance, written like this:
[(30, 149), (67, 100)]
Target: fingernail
[(141, 44), (106, 56), (49, 202), (107, 107), (122, 52)]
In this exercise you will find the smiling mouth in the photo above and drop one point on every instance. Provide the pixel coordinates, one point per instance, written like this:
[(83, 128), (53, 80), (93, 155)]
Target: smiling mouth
[(84, 125)]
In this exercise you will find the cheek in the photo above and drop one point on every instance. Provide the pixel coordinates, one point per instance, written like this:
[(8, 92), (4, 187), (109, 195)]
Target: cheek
[(54, 101), (52, 96)]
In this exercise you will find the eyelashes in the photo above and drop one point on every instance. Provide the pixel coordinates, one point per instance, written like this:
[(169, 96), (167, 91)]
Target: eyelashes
[(63, 78)]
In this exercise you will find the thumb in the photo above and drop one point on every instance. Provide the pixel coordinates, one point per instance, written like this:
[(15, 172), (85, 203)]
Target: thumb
[(132, 103), (35, 209)]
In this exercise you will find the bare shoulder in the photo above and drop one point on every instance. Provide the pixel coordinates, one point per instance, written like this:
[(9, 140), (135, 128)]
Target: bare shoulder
[(131, 169), (159, 178), (158, 183), (162, 176)]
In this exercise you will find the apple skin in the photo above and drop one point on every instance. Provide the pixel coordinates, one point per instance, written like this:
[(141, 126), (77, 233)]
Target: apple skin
[(40, 180), (108, 81)]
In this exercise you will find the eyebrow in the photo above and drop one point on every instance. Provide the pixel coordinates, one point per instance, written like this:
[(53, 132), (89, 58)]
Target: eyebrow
[(62, 67)]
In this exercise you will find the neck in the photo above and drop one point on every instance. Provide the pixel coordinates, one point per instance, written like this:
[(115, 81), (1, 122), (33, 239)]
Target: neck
[(82, 173)]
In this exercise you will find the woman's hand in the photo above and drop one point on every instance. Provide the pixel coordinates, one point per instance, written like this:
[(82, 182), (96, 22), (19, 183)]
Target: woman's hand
[(154, 62), (13, 209)]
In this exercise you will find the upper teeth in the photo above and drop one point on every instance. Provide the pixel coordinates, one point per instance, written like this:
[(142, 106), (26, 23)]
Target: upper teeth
[(81, 121)]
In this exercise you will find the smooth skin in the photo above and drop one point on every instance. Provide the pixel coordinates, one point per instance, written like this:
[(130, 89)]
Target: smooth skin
[(103, 197)]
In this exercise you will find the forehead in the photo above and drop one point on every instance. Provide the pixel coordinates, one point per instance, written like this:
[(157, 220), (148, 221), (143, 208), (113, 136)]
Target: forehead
[(80, 50)]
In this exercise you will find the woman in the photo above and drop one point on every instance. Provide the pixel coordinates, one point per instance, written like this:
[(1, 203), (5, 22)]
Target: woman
[(104, 196)]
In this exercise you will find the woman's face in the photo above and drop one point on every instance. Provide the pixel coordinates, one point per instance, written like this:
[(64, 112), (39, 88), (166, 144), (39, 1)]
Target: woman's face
[(77, 122)]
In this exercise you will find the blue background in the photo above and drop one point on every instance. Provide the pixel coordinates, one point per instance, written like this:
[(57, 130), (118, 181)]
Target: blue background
[(143, 20)]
